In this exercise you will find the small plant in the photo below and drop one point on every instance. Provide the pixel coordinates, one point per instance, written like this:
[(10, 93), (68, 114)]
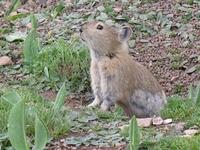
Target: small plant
[(134, 135), (31, 45), (17, 124), (16, 128)]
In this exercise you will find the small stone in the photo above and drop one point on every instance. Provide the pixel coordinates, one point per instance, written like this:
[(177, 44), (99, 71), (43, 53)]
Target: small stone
[(5, 60), (62, 140), (29, 25), (180, 126), (157, 121), (144, 122), (191, 132), (167, 121)]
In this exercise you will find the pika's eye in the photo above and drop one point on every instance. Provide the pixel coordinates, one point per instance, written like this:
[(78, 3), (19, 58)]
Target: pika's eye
[(99, 27)]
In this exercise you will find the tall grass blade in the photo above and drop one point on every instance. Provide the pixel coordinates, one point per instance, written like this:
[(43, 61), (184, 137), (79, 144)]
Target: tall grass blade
[(33, 21), (60, 99), (14, 5), (16, 127), (12, 97), (190, 92), (41, 134), (134, 135), (197, 96)]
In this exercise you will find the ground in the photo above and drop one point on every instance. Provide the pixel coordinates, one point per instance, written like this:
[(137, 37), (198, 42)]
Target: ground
[(166, 39)]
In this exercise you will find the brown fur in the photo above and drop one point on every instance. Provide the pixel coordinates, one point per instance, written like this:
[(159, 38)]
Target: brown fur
[(116, 77)]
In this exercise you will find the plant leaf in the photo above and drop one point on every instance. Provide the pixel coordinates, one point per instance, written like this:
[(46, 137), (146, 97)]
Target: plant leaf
[(190, 92), (60, 99), (134, 136), (41, 134), (31, 47), (33, 21), (16, 127), (20, 36), (12, 97), (197, 96), (14, 5)]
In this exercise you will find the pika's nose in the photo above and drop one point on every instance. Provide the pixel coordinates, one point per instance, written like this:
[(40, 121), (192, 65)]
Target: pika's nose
[(81, 29)]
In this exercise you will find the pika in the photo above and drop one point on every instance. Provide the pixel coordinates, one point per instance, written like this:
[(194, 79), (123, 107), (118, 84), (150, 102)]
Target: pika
[(115, 77)]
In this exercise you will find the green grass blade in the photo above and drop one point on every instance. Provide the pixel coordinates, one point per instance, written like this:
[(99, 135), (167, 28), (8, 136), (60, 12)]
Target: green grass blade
[(60, 99), (197, 98), (14, 5), (33, 21), (16, 127), (134, 136), (190, 92), (41, 134), (12, 97)]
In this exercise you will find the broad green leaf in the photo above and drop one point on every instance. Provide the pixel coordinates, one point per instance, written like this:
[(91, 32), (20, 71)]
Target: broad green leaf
[(41, 134), (134, 135), (16, 127), (15, 36), (31, 47), (12, 97), (197, 96), (60, 98)]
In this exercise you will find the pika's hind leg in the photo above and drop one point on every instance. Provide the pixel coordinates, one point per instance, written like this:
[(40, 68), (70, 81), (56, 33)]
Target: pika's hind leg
[(95, 84)]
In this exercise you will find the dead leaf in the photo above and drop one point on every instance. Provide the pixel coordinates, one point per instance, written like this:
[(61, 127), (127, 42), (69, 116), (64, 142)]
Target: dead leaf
[(157, 121), (13, 13), (144, 122), (191, 70), (5, 60)]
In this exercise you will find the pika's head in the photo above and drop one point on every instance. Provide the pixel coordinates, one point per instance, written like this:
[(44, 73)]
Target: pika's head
[(103, 38)]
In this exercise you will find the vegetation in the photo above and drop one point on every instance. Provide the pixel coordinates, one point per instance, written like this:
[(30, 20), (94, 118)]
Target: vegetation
[(54, 60)]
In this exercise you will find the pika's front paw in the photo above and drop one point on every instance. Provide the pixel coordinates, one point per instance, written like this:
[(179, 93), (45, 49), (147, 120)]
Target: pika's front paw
[(95, 102), (104, 107)]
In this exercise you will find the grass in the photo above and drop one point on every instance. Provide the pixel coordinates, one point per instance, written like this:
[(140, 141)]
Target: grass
[(182, 110), (64, 61), (177, 143)]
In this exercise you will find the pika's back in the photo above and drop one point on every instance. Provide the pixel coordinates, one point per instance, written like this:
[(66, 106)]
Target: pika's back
[(103, 39)]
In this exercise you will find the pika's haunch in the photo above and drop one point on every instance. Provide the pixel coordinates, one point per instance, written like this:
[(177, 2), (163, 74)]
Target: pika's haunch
[(115, 77)]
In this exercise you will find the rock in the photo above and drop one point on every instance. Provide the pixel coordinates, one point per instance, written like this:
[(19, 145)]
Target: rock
[(157, 121), (191, 132), (167, 121), (144, 122), (5, 60), (179, 127), (29, 25)]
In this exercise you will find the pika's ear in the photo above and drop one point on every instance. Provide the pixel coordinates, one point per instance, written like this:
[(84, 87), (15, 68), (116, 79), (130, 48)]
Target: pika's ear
[(125, 33)]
